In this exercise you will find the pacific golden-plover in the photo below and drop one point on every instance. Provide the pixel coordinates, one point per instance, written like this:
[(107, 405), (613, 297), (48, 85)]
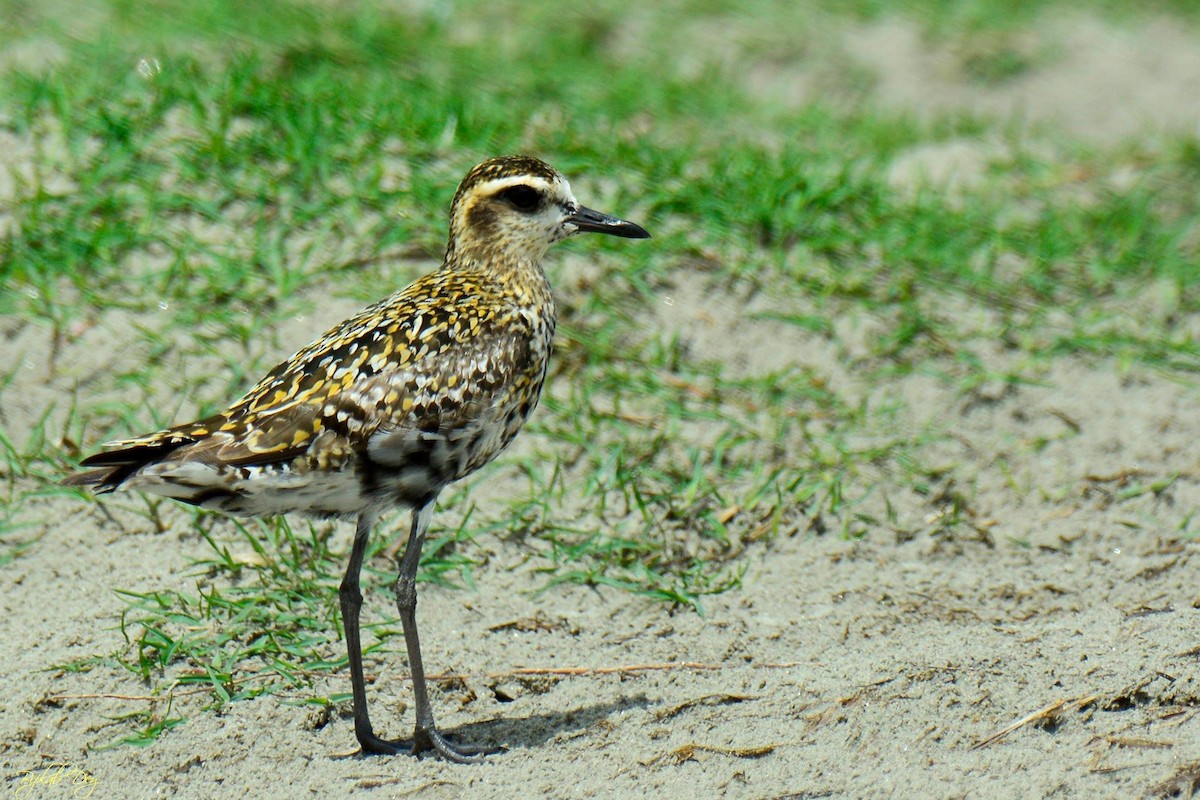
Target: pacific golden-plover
[(392, 405)]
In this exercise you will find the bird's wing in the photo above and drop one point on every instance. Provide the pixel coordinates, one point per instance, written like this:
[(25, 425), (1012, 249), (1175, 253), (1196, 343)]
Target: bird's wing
[(423, 358)]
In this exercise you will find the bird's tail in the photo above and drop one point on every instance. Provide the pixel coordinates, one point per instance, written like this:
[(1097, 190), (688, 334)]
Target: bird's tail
[(101, 478), (115, 466)]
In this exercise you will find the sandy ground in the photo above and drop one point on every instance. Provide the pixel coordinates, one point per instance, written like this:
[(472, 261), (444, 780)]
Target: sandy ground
[(1053, 655)]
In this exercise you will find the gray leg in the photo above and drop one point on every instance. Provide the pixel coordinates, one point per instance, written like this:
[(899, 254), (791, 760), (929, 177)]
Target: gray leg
[(351, 600), (426, 735)]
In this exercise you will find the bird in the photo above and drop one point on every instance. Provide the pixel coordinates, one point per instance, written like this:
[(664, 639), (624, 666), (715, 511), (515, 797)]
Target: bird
[(390, 406)]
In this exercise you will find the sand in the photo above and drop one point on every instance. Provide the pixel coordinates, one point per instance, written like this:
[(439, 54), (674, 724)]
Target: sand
[(1053, 654)]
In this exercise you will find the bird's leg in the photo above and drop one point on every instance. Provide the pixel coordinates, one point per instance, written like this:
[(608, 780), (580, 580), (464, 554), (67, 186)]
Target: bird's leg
[(426, 735), (351, 599)]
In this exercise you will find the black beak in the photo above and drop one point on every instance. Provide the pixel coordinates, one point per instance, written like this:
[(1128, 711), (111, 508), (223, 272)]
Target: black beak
[(594, 222)]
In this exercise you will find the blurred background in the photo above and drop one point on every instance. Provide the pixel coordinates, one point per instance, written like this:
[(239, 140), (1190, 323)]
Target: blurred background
[(837, 191)]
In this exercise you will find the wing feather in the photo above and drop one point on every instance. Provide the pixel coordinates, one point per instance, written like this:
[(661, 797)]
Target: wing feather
[(428, 358)]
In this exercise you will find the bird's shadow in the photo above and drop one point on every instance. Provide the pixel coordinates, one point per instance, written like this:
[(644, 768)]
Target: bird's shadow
[(535, 730)]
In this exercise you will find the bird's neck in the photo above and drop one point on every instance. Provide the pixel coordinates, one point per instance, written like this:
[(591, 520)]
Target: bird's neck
[(519, 275), (489, 258)]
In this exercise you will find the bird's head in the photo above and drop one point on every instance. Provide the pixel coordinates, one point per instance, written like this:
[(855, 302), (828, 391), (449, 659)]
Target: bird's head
[(513, 208)]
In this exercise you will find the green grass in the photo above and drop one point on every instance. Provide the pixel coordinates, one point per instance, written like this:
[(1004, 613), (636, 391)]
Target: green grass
[(213, 168)]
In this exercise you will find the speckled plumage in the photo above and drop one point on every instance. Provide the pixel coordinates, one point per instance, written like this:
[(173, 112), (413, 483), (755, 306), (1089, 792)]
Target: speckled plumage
[(391, 405), (387, 408)]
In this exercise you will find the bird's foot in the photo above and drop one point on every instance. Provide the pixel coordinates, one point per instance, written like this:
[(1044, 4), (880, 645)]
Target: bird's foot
[(424, 740), (430, 739)]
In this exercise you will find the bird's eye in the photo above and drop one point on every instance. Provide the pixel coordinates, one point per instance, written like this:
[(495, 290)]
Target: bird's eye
[(521, 197)]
